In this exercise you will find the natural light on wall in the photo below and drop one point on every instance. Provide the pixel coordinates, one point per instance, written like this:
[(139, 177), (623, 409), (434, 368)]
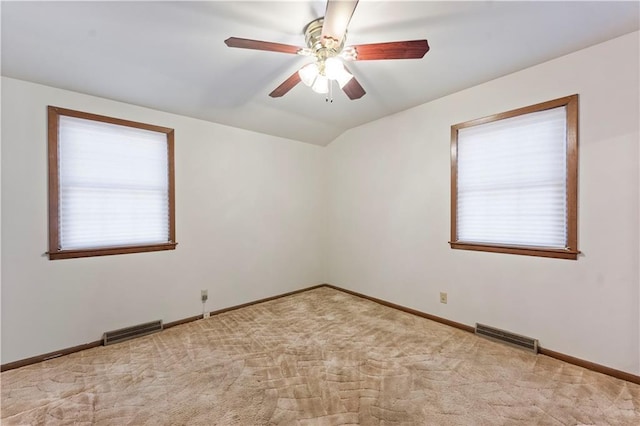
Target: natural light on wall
[(514, 193), (113, 185)]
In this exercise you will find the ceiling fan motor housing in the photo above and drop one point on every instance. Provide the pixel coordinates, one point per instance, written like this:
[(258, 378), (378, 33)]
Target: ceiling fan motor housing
[(321, 48)]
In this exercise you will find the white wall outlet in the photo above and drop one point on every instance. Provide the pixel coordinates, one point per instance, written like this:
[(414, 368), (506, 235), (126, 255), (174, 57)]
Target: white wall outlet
[(204, 295), (443, 297)]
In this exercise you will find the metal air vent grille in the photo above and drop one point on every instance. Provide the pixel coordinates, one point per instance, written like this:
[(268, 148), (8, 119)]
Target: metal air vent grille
[(132, 332), (513, 339)]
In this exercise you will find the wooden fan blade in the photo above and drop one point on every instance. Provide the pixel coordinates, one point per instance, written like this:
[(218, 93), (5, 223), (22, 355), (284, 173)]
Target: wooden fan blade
[(245, 43), (287, 85), (336, 19), (353, 89), (413, 49)]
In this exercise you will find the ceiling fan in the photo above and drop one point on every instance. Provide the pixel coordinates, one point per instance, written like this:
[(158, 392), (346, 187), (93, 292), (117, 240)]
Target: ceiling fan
[(325, 40)]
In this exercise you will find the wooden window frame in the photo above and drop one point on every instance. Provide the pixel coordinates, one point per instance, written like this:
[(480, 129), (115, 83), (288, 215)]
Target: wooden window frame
[(55, 252), (571, 250)]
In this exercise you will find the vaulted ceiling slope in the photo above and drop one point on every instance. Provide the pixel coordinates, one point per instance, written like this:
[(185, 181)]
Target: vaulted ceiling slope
[(171, 56)]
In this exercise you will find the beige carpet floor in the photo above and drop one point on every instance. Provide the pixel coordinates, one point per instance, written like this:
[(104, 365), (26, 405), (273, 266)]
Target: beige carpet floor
[(321, 357)]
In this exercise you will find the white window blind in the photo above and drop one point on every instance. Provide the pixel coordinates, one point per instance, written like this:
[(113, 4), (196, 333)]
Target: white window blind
[(512, 181), (113, 185)]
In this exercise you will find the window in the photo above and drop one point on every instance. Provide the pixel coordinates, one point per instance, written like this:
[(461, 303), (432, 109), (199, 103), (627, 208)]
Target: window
[(514, 181), (111, 186)]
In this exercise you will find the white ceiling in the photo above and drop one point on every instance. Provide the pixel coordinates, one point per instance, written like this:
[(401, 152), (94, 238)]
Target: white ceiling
[(170, 56)]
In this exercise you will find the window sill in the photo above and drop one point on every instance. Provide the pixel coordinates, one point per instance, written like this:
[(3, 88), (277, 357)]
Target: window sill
[(522, 250), (106, 251)]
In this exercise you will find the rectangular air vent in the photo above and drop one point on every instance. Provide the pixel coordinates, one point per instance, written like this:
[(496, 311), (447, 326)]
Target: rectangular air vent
[(513, 339), (127, 333)]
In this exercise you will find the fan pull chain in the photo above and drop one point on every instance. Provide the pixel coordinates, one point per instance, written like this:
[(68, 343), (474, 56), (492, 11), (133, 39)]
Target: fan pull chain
[(329, 97)]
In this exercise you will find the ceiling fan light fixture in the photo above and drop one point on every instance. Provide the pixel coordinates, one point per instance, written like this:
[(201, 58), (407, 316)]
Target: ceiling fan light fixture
[(309, 73), (333, 68), (321, 84)]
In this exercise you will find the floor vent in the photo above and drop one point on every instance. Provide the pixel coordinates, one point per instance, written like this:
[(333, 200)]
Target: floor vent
[(507, 337), (132, 332)]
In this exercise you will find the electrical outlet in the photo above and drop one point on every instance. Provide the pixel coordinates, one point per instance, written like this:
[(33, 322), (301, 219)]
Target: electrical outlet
[(443, 297), (204, 295)]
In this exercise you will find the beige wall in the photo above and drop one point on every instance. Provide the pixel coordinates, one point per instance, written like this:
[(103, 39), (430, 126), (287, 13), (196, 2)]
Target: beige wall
[(249, 225), (389, 213)]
